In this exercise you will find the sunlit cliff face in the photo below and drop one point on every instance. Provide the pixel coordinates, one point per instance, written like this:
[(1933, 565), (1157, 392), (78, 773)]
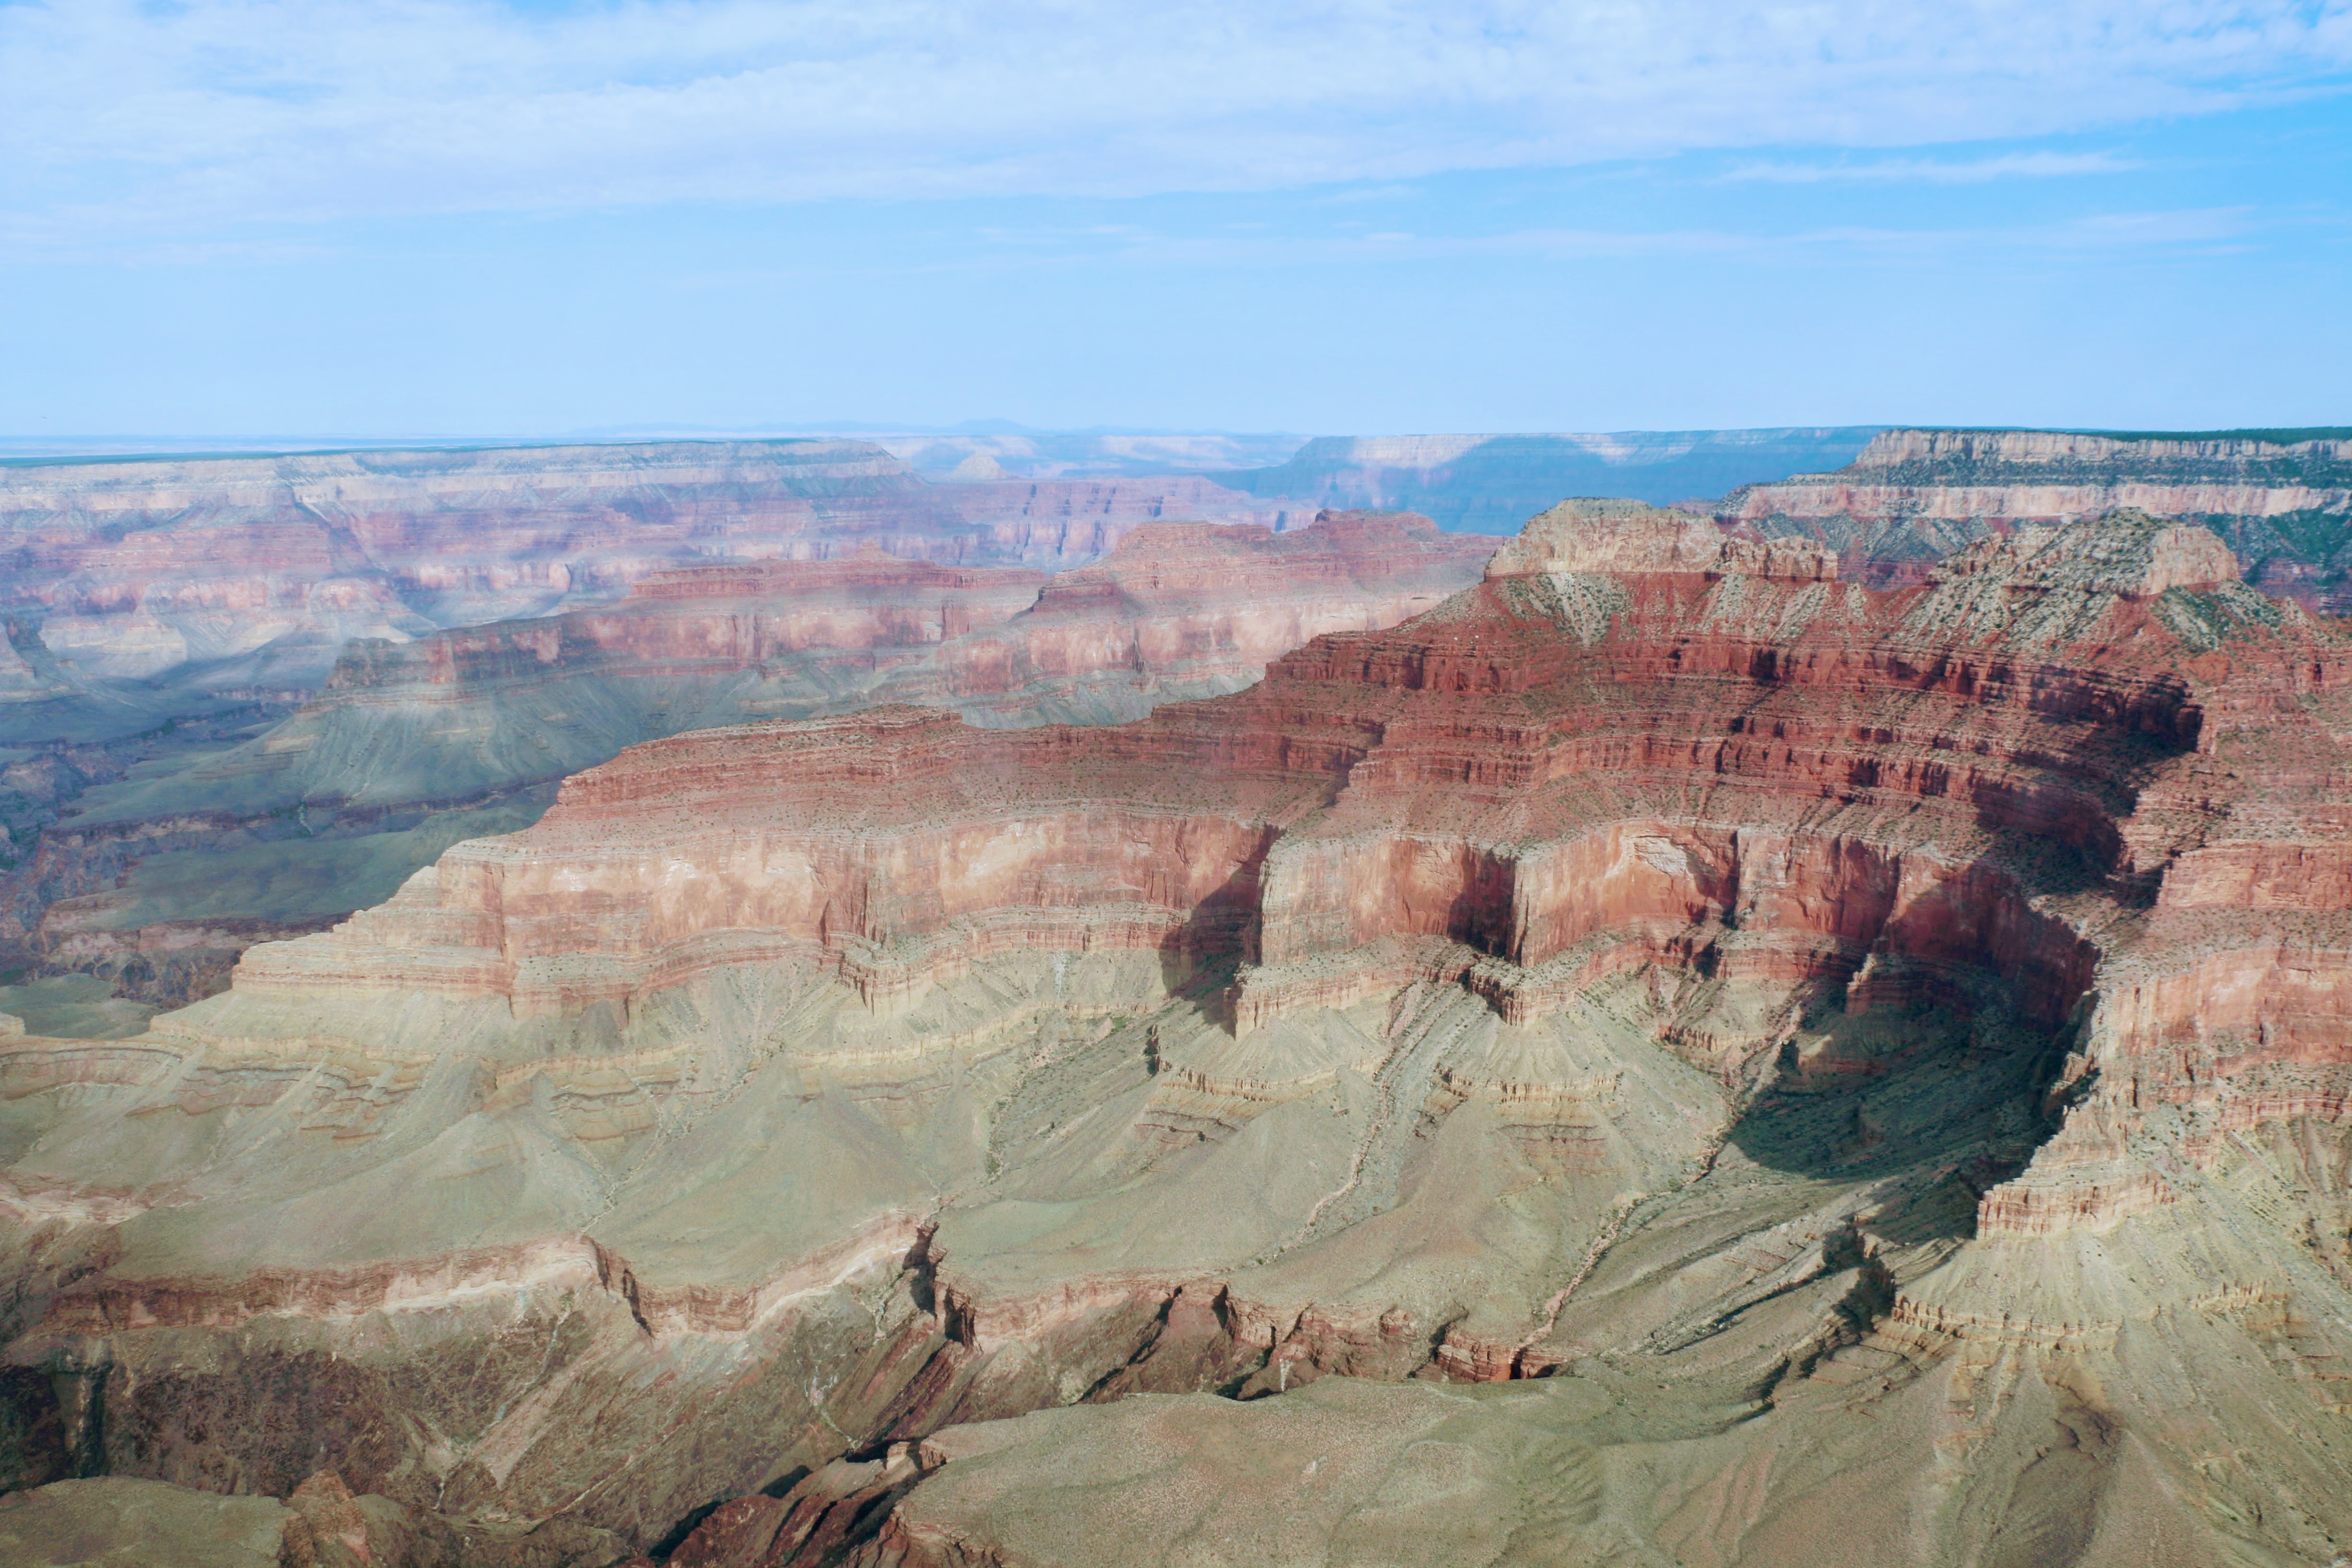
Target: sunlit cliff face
[(1792, 1031), (159, 881)]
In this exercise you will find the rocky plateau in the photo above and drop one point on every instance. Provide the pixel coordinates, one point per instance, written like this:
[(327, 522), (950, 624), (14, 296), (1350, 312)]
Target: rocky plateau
[(1493, 483), (1670, 1055), (2281, 499)]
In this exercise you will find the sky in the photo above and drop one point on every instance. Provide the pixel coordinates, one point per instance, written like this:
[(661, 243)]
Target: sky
[(490, 218)]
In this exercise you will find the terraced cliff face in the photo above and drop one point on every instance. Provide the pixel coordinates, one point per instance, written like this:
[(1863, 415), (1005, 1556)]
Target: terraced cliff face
[(1186, 610), (158, 882), (158, 612), (2281, 499), (253, 572), (1667, 1056)]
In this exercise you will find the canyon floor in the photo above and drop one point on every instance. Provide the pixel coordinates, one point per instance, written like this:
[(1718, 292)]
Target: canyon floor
[(1702, 1042)]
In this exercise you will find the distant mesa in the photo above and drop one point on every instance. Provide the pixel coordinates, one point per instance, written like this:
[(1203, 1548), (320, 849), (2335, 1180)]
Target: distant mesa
[(1491, 484), (236, 572), (2281, 500)]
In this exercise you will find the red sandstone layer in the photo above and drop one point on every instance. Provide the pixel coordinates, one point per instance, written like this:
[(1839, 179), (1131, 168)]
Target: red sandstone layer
[(1711, 755), (1173, 602), (450, 720), (2081, 787)]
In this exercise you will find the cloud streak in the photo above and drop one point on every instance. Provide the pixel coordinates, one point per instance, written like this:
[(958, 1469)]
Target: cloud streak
[(2102, 233), (1938, 172), (127, 119)]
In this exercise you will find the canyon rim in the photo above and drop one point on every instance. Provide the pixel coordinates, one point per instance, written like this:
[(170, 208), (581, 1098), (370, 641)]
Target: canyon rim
[(807, 1015), (1447, 784)]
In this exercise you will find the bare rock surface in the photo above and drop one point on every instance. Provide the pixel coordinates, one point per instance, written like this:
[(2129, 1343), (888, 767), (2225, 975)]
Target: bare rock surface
[(158, 881), (2281, 499), (162, 613), (1668, 1056), (259, 568)]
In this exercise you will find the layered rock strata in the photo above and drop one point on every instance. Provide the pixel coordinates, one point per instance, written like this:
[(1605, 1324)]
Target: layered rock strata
[(160, 882), (1863, 1070), (1186, 610), (157, 611), (2282, 499), (262, 567)]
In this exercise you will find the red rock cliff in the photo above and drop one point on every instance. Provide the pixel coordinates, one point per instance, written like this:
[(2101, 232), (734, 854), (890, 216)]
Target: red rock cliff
[(1942, 986)]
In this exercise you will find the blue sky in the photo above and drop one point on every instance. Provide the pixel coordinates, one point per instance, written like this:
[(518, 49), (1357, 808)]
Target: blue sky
[(390, 217)]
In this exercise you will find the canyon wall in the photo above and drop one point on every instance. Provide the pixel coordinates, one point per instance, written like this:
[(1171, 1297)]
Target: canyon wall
[(258, 569), (1830, 1048), (158, 881), (162, 613), (2281, 499)]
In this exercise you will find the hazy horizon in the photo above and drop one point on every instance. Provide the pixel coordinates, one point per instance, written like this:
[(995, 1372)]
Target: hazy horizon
[(135, 444)]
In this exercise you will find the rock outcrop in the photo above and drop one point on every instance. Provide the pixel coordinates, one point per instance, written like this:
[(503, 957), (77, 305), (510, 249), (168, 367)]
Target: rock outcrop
[(160, 611), (1868, 1065), (1188, 610), (160, 881), (157, 611), (232, 574), (2281, 499)]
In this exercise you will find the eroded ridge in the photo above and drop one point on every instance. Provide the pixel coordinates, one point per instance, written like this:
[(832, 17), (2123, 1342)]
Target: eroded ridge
[(1813, 1032), (160, 882)]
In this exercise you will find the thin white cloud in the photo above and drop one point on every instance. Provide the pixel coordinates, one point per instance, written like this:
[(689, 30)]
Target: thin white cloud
[(124, 119), (1011, 250), (1935, 172)]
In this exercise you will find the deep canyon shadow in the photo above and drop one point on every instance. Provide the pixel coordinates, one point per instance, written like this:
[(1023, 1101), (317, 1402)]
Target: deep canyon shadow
[(1943, 1097)]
